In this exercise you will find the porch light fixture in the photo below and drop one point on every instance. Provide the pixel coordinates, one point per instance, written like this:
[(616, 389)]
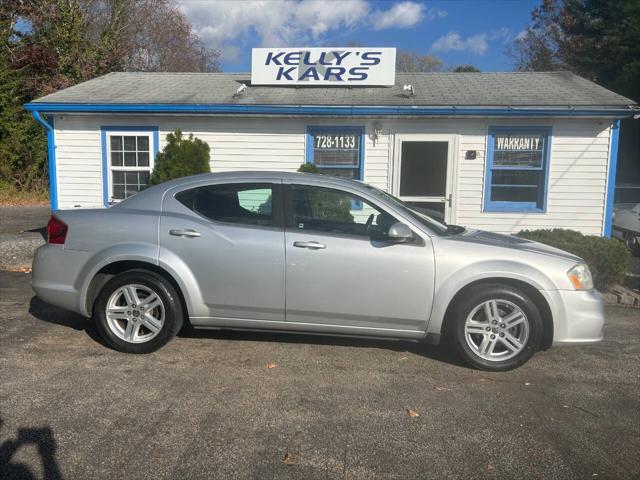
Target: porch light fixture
[(377, 131)]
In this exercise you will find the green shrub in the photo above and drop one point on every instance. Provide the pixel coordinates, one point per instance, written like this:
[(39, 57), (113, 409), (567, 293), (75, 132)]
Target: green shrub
[(180, 157), (607, 258), (308, 168)]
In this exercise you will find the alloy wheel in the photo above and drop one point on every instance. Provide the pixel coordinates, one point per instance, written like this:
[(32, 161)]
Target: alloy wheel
[(135, 313), (496, 330)]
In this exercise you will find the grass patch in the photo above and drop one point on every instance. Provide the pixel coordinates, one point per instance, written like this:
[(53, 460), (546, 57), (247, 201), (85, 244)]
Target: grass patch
[(11, 196)]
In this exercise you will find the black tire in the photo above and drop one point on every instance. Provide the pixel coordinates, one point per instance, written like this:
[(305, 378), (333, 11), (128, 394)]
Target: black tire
[(474, 297), (173, 315)]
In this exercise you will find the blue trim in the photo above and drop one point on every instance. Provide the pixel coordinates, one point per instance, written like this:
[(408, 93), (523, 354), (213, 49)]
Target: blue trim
[(611, 178), (334, 110), (525, 207), (51, 157), (105, 161)]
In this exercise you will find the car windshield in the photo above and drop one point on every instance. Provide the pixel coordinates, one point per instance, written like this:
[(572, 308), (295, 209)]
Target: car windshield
[(432, 224)]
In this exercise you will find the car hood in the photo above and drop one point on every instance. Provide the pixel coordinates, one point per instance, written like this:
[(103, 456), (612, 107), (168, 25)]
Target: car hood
[(510, 241)]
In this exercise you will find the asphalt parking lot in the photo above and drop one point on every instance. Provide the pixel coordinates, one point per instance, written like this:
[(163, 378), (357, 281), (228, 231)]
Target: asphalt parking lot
[(208, 406)]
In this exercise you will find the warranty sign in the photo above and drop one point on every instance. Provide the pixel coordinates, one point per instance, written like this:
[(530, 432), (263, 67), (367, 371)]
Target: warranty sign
[(323, 66)]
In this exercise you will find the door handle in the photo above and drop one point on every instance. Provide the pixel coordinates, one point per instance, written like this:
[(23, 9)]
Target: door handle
[(310, 245), (189, 233)]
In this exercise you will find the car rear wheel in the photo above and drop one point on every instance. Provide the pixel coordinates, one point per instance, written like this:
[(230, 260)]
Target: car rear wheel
[(496, 327), (138, 312)]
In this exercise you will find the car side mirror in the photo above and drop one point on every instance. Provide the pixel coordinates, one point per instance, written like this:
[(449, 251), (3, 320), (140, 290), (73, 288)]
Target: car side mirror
[(399, 232)]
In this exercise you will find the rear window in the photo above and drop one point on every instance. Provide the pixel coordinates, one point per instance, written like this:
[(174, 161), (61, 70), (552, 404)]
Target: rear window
[(244, 204)]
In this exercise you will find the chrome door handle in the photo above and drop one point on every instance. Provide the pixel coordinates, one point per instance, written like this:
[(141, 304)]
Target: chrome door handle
[(310, 245), (184, 233)]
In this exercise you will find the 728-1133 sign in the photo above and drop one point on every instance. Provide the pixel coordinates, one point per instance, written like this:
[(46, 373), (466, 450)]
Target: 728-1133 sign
[(323, 66), (335, 141)]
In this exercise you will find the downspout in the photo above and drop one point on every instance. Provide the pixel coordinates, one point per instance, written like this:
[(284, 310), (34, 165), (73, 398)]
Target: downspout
[(51, 155), (611, 180)]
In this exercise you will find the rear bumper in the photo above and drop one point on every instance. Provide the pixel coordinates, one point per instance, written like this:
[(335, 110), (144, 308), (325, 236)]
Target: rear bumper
[(56, 274), (580, 317)]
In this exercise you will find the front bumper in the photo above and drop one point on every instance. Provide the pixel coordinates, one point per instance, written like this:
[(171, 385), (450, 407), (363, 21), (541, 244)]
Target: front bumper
[(579, 317), (55, 276)]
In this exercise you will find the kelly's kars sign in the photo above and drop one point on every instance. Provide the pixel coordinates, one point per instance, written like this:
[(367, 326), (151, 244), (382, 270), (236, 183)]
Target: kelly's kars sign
[(323, 66)]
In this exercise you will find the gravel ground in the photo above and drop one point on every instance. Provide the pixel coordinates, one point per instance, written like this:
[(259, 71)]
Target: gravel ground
[(208, 406), (21, 232)]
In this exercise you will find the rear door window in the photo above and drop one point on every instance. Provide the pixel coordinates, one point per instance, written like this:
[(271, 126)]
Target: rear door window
[(240, 203)]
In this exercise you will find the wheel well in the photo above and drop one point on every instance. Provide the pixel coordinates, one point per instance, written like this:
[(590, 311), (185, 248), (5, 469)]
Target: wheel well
[(530, 290), (107, 272)]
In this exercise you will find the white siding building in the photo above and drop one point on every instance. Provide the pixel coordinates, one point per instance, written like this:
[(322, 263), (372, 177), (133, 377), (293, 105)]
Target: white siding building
[(501, 152)]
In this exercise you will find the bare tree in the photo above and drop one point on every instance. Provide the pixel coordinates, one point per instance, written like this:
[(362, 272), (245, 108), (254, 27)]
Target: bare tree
[(414, 62)]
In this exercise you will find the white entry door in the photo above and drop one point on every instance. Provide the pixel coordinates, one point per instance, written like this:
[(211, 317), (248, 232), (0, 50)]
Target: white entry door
[(423, 173)]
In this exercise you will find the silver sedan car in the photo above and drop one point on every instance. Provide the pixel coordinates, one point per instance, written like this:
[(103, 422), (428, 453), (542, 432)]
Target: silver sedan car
[(310, 253)]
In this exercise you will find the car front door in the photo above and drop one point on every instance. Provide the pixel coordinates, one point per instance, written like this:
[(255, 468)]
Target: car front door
[(343, 275), (228, 240)]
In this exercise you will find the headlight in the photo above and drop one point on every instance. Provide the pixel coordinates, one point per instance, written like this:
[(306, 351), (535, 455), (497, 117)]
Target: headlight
[(580, 277)]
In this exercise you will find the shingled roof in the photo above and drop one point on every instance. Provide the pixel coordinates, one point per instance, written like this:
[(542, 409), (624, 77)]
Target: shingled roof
[(513, 89)]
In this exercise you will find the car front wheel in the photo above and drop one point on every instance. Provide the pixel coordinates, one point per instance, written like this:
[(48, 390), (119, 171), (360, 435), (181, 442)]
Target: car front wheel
[(138, 312), (496, 327)]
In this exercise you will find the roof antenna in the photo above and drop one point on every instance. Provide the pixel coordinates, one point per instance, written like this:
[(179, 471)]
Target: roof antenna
[(241, 89), (409, 88)]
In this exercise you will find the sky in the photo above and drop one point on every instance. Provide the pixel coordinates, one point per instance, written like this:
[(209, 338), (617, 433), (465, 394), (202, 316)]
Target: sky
[(475, 32)]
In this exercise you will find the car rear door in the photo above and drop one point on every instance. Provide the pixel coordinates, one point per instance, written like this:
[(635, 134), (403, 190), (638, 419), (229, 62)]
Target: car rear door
[(342, 280), (228, 240)]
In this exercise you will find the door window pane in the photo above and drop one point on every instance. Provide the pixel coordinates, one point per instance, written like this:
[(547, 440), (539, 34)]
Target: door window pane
[(246, 203), (332, 211), (423, 169)]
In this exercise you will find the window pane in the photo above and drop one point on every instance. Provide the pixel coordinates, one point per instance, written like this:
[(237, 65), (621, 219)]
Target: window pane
[(118, 192), (518, 149), (352, 173), (247, 204), (144, 179), (116, 143), (118, 177), (516, 177), (130, 143), (514, 194), (332, 211), (423, 169), (143, 159), (336, 148), (116, 159), (143, 144), (129, 159), (131, 178)]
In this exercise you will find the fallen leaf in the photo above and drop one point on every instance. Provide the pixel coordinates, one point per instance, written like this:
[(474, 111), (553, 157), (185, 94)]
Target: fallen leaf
[(271, 365), (288, 459), (441, 389), (412, 413), (20, 269)]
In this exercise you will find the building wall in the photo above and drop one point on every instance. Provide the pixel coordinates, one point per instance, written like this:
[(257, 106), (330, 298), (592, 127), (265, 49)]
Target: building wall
[(577, 175)]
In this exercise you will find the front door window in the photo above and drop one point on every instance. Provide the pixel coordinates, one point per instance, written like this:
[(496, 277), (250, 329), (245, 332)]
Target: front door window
[(423, 177)]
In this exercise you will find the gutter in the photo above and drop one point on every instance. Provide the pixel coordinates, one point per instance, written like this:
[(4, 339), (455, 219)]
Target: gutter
[(51, 156), (332, 110)]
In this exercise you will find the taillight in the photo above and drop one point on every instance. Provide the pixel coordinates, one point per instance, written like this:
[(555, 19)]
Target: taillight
[(56, 230)]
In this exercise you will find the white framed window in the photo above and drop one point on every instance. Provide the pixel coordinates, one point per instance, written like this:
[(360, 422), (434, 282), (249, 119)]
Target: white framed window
[(130, 156)]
